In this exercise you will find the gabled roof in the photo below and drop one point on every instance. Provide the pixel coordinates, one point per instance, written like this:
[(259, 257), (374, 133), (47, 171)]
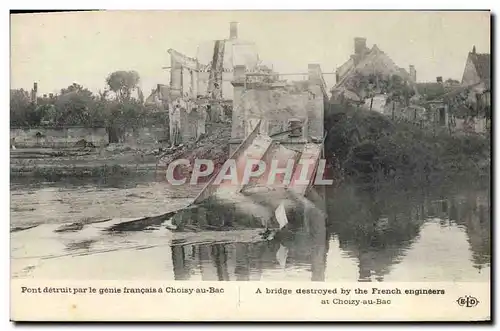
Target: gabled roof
[(450, 94), (432, 90), (482, 65), (151, 98), (160, 93), (375, 60)]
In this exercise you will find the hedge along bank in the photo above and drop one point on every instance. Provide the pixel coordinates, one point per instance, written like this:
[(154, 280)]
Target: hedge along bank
[(303, 172)]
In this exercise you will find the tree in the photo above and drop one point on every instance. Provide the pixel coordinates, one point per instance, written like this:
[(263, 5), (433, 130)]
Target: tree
[(367, 86), (140, 95), (19, 102), (400, 90), (121, 115), (22, 109), (47, 113), (452, 82), (123, 83), (74, 106), (75, 87)]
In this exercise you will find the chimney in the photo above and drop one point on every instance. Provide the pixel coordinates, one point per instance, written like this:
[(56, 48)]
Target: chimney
[(233, 30), (159, 92), (34, 93), (439, 79), (413, 73), (359, 45), (474, 49)]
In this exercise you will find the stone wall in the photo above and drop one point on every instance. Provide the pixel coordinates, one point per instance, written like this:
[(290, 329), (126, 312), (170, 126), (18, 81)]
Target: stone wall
[(315, 112), (275, 106), (67, 137), (202, 79), (145, 136), (57, 137), (202, 82)]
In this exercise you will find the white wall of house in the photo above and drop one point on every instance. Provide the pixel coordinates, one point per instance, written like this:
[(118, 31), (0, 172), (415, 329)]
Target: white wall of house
[(378, 105)]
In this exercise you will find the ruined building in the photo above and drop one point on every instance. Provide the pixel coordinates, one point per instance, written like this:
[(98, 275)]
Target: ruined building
[(465, 108), (371, 61), (477, 69), (368, 61), (211, 72), (205, 81), (229, 70)]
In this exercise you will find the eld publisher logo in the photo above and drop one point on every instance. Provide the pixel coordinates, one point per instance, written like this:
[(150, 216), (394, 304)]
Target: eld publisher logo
[(468, 301)]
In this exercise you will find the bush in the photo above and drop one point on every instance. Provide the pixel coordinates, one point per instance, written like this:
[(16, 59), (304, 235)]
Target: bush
[(369, 147)]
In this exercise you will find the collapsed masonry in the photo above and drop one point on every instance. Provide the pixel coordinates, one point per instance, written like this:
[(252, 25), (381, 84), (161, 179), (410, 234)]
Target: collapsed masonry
[(290, 112), (210, 74), (203, 84)]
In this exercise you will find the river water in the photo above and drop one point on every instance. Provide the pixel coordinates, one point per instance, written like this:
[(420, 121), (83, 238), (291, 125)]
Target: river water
[(389, 234)]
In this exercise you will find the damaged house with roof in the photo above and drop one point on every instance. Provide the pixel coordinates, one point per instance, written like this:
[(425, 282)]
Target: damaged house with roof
[(369, 77), (465, 108)]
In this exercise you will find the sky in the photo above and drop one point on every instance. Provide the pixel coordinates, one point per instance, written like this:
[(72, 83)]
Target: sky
[(57, 49)]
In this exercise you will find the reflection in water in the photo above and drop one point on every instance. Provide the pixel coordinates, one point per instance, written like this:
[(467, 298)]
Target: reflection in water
[(375, 231), (245, 261), (472, 212), (84, 245), (384, 235)]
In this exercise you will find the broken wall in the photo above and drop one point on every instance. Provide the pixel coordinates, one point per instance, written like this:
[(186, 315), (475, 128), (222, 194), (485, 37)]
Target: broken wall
[(275, 103), (315, 111), (203, 77), (275, 106), (189, 124), (145, 136), (67, 137)]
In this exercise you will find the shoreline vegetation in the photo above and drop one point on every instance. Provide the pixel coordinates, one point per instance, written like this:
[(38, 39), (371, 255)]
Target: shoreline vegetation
[(369, 148)]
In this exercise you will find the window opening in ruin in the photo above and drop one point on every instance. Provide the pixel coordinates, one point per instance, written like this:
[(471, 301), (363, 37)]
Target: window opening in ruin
[(295, 127)]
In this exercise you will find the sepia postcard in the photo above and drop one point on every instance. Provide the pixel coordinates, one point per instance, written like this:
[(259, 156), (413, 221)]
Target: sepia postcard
[(250, 166)]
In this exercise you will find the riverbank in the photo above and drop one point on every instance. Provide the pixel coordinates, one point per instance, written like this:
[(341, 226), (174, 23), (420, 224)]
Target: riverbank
[(116, 160), (52, 164), (370, 148)]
